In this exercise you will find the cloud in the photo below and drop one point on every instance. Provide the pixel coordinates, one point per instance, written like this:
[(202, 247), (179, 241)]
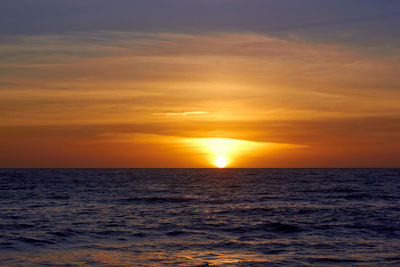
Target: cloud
[(187, 113), (336, 143), (231, 76), (339, 21), (75, 91)]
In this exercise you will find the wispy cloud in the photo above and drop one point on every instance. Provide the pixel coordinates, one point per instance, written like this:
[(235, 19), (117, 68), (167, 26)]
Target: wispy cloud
[(341, 21), (238, 85), (186, 113)]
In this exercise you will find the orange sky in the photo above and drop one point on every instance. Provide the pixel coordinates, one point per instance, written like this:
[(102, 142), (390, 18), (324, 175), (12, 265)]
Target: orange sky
[(130, 99)]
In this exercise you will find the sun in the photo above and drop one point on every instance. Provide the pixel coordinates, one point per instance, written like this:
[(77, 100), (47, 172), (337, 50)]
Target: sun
[(221, 162)]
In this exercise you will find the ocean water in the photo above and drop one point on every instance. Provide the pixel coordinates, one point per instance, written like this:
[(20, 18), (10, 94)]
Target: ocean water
[(200, 217)]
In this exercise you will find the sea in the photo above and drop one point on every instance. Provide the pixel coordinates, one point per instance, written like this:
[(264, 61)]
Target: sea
[(200, 217)]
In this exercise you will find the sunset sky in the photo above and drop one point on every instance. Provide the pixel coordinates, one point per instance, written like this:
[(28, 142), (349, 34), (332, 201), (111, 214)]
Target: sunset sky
[(180, 83)]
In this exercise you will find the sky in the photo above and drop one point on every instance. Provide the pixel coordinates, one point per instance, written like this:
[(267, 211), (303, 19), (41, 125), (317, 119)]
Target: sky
[(186, 83)]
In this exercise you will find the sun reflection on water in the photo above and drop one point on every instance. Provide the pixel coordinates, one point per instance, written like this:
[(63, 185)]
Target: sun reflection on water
[(130, 258)]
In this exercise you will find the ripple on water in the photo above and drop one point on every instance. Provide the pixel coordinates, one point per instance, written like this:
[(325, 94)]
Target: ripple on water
[(199, 217)]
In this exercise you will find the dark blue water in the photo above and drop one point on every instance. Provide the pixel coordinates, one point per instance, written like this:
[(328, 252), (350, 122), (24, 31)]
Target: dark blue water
[(200, 217)]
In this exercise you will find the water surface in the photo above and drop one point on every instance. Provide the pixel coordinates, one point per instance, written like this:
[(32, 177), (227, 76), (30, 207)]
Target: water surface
[(200, 217)]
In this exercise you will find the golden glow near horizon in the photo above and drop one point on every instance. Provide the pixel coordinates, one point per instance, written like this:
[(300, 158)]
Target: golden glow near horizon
[(204, 152), (219, 150), (223, 151)]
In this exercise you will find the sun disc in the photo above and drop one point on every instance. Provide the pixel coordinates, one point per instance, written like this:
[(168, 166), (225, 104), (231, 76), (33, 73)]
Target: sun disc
[(221, 162)]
